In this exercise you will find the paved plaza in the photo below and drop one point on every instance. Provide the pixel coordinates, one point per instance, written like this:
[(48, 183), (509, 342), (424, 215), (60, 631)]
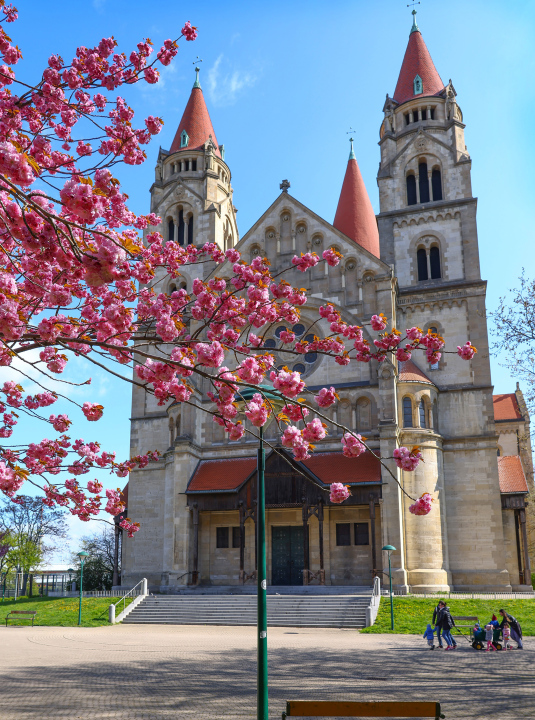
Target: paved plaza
[(137, 672)]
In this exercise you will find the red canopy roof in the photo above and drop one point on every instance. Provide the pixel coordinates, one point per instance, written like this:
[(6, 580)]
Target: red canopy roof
[(511, 473), (417, 61), (506, 407), (332, 467), (227, 474), (196, 122), (354, 214)]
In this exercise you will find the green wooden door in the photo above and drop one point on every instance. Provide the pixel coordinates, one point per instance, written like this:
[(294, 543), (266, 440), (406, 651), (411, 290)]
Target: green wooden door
[(287, 555)]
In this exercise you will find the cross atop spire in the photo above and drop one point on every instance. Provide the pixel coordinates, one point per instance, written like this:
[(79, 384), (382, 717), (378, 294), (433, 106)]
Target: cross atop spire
[(414, 27), (352, 152), (197, 84)]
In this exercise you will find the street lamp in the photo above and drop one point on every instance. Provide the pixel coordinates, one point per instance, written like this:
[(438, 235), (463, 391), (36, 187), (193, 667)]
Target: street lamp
[(82, 555), (277, 403), (390, 549)]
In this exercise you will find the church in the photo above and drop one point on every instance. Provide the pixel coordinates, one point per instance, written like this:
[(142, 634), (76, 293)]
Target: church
[(417, 261)]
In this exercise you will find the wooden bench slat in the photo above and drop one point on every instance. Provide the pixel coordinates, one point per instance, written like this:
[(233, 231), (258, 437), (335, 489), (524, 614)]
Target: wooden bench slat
[(23, 612), (332, 708)]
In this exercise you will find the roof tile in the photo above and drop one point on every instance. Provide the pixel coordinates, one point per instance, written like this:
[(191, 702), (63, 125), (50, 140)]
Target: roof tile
[(506, 407), (417, 61), (223, 474), (409, 372), (511, 473), (354, 214), (227, 474), (196, 122)]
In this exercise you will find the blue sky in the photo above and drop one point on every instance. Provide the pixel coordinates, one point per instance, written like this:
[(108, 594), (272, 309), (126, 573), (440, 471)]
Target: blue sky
[(284, 82)]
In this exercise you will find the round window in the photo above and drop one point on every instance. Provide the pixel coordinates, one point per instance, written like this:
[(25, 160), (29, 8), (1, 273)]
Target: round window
[(311, 357), (309, 338), (270, 343), (279, 330), (298, 329), (299, 367)]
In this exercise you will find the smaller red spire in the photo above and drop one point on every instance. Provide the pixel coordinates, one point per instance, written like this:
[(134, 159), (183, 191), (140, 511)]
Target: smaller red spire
[(196, 122), (417, 62), (354, 214)]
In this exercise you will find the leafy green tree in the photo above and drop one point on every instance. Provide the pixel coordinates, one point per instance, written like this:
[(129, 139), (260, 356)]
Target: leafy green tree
[(98, 567)]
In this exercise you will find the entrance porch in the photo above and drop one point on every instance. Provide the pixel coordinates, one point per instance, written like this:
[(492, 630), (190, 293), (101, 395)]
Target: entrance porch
[(310, 541)]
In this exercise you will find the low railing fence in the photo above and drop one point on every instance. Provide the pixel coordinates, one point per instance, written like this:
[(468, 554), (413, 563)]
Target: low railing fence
[(465, 595), (141, 589)]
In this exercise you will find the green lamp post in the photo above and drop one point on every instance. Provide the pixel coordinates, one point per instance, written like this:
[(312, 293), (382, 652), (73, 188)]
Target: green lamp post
[(390, 549), (82, 555), (242, 398)]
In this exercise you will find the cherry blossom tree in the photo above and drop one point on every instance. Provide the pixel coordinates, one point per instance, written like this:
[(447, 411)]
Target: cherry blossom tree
[(78, 283)]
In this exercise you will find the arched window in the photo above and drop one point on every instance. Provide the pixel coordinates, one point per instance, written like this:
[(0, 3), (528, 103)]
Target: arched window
[(181, 227), (421, 257), (190, 231), (436, 184), (411, 190), (423, 182), (178, 420), (434, 261), (407, 412), (170, 229), (422, 414), (194, 164), (364, 418), (184, 139)]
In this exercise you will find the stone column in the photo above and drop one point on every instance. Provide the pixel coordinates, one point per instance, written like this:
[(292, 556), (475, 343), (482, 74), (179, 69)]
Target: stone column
[(195, 548), (306, 553)]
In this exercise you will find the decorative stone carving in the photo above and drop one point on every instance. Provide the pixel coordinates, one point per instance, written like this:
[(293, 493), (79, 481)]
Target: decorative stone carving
[(285, 218), (301, 229)]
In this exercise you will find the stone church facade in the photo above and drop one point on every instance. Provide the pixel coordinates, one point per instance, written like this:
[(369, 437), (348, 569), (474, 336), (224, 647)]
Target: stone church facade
[(418, 263)]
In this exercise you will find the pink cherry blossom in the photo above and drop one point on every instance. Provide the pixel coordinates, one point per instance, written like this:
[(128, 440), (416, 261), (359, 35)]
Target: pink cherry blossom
[(314, 430), (331, 256), (326, 397), (257, 410), (352, 445), (467, 351), (422, 506), (60, 423), (378, 322), (295, 412), (339, 493), (407, 459), (92, 411)]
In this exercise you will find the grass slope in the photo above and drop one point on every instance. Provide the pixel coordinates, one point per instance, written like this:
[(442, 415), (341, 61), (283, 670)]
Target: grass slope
[(62, 612), (411, 614)]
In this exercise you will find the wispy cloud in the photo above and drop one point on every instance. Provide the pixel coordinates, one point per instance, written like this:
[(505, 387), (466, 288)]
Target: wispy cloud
[(98, 5), (226, 83)]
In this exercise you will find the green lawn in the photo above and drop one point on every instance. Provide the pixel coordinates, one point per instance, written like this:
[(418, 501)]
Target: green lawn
[(411, 614), (62, 612)]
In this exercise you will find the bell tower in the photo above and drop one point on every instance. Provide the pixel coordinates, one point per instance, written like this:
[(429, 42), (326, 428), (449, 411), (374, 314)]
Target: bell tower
[(428, 232), (192, 190)]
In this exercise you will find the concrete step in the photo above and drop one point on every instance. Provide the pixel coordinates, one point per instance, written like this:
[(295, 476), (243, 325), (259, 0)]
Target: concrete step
[(285, 611)]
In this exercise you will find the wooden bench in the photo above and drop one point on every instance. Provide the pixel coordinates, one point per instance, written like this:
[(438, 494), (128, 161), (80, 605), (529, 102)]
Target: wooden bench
[(470, 621), (328, 708), (33, 613)]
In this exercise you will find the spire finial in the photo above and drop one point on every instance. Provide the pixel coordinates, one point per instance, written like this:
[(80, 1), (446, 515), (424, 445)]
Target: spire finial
[(351, 154), (414, 27), (197, 84)]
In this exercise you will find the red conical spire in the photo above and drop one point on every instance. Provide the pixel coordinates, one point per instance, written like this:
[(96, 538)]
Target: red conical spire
[(354, 214), (196, 122), (417, 62)]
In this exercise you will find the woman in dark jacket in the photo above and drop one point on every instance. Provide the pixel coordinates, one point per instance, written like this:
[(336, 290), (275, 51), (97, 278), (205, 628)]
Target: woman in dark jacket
[(516, 630), (446, 623), (436, 614)]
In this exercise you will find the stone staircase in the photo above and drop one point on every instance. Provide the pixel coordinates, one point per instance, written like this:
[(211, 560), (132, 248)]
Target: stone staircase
[(337, 611)]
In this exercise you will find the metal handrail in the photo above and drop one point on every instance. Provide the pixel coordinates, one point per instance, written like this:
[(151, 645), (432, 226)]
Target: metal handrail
[(123, 599)]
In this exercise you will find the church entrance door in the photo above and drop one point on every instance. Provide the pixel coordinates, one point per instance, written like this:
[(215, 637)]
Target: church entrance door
[(287, 553)]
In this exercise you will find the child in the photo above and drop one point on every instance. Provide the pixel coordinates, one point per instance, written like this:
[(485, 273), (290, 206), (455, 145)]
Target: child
[(506, 632), (429, 635), (489, 634)]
